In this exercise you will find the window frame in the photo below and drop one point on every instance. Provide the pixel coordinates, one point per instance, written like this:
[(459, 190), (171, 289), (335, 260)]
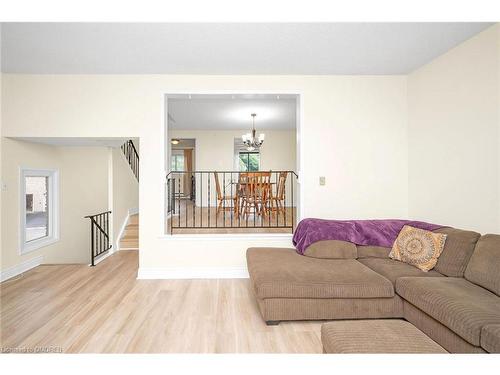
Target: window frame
[(53, 218), (175, 158), (248, 153)]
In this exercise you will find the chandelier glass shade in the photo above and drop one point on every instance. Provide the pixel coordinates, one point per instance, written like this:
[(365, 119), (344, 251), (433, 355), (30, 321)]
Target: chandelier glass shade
[(250, 140)]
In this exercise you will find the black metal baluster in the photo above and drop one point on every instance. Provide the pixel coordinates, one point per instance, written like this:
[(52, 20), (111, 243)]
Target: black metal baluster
[(106, 239), (103, 236), (216, 201), (293, 203), (92, 244), (187, 200), (100, 235), (208, 199), (201, 199), (285, 200), (255, 189), (263, 202), (233, 198), (238, 190), (224, 197), (179, 203), (193, 194), (110, 245), (168, 195), (172, 206)]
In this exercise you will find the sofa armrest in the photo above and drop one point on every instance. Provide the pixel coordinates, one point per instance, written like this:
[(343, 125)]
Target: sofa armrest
[(490, 338)]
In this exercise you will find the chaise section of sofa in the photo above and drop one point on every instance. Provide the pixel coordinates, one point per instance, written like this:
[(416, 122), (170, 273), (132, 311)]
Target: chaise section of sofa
[(289, 286)]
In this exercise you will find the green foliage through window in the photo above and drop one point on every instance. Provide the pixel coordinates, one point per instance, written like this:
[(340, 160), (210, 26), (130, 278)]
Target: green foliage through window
[(177, 163), (249, 161)]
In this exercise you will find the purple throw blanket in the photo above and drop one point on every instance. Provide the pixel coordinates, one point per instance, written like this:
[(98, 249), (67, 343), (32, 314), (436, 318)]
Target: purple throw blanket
[(360, 232)]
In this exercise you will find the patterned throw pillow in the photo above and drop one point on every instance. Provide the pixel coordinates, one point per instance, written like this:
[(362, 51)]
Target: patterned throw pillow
[(418, 247)]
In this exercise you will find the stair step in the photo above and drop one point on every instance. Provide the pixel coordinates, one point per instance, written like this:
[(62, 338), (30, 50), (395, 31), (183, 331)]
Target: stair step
[(129, 242), (131, 231), (130, 239)]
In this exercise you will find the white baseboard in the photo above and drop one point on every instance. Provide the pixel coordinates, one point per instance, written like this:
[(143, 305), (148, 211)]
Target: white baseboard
[(100, 258), (193, 273), (20, 268)]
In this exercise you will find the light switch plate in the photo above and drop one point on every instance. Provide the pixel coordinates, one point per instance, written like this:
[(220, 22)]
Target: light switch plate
[(322, 181)]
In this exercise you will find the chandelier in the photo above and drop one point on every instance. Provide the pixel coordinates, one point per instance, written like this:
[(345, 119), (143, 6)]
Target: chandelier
[(250, 140)]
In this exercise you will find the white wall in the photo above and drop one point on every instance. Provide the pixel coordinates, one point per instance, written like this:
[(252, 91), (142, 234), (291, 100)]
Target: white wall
[(454, 136), (125, 195), (215, 148), (353, 131), (83, 191)]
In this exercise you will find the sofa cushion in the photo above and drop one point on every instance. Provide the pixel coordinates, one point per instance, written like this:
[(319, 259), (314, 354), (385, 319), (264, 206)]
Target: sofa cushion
[(332, 249), (490, 338), (455, 302), (278, 272), (373, 251), (418, 247), (393, 269), (457, 251), (484, 266)]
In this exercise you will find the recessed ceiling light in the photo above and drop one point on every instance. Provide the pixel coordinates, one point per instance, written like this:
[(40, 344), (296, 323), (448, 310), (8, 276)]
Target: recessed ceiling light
[(175, 141)]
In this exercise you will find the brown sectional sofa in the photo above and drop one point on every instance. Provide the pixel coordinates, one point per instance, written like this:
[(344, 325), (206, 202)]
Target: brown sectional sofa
[(457, 304)]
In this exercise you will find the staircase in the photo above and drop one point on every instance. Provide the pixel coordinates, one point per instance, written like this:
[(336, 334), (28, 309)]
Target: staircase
[(130, 238)]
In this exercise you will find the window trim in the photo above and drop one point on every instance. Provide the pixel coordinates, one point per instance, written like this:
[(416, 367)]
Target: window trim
[(52, 204)]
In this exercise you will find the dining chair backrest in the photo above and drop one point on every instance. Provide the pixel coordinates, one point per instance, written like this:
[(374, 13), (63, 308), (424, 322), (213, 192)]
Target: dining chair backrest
[(280, 193), (217, 185), (257, 185)]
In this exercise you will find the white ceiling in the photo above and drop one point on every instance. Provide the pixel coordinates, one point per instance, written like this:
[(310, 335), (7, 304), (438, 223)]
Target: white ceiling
[(76, 142), (231, 112), (184, 143), (230, 48)]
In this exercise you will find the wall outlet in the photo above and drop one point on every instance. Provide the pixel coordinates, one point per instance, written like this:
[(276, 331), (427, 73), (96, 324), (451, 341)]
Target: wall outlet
[(322, 181)]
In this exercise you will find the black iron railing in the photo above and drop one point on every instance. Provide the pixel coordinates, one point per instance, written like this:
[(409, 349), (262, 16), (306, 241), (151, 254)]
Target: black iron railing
[(263, 201), (132, 157), (99, 235)]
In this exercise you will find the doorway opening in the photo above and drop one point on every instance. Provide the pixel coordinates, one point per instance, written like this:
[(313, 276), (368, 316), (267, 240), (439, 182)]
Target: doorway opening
[(231, 163)]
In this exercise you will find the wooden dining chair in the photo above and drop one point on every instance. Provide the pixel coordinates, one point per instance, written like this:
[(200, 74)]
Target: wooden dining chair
[(256, 193), (277, 202), (221, 198)]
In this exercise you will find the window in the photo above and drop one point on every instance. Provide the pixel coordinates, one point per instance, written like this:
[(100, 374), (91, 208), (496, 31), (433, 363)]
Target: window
[(249, 161), (177, 163), (39, 209)]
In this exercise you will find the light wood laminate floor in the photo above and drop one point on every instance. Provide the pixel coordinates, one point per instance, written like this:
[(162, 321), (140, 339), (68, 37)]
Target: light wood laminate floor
[(106, 309)]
